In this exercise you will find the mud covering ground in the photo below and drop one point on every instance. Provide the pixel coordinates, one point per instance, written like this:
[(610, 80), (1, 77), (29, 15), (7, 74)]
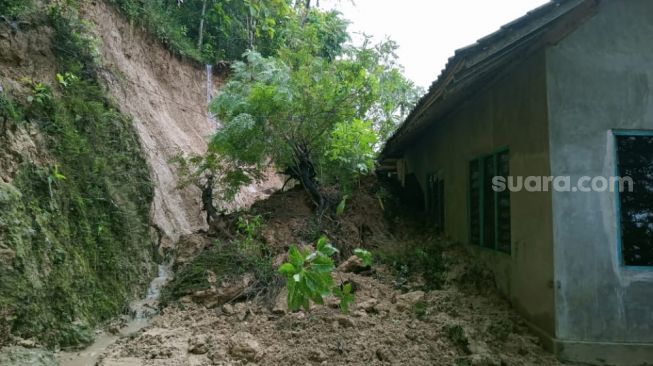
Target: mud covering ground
[(443, 327), (464, 322)]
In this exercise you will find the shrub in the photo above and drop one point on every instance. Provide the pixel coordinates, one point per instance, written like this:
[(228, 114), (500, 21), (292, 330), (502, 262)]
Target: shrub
[(424, 259), (224, 260), (457, 336), (308, 274)]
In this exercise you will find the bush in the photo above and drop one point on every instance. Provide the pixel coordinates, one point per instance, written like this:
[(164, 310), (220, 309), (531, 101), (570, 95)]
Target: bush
[(225, 260), (424, 259), (308, 274), (15, 8), (457, 336)]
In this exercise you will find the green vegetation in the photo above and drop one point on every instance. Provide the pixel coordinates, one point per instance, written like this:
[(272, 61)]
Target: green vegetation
[(457, 336), (345, 293), (13, 9), (423, 259), (308, 277), (365, 256), (308, 274), (303, 99), (76, 223), (306, 114), (213, 30), (225, 261)]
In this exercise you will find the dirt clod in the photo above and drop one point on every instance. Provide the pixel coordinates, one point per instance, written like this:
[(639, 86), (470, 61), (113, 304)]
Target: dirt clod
[(243, 346)]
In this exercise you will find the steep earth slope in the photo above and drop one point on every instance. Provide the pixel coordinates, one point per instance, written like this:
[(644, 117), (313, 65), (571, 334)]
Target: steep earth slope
[(167, 97), (87, 189), (74, 192)]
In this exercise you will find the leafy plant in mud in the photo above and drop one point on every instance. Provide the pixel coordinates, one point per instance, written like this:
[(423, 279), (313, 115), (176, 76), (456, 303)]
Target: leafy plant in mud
[(365, 256), (308, 277), (249, 226), (344, 292), (308, 274)]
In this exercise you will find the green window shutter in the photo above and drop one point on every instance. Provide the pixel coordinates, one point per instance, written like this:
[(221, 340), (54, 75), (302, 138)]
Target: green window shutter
[(475, 201)]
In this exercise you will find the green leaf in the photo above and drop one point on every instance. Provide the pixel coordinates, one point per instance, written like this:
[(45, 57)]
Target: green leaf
[(295, 257), (325, 248), (365, 256), (287, 269), (341, 206), (322, 264), (345, 295)]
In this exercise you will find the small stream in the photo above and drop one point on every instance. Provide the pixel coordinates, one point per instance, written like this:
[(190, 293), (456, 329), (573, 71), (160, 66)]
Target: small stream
[(142, 312)]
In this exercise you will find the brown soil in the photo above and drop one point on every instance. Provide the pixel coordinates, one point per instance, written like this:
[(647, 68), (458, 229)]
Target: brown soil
[(464, 323), (166, 96)]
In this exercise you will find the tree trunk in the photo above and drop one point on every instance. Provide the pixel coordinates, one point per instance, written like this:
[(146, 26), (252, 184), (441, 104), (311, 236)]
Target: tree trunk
[(304, 172), (201, 31)]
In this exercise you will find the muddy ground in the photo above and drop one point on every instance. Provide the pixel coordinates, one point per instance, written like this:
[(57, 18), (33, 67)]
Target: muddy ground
[(397, 318)]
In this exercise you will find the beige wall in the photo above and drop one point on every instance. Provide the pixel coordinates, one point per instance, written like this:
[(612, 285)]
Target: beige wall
[(510, 113)]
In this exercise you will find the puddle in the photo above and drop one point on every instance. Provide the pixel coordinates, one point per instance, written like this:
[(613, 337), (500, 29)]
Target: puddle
[(142, 312)]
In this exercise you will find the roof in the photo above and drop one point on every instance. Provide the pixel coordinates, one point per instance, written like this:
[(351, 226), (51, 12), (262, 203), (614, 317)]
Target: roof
[(478, 64)]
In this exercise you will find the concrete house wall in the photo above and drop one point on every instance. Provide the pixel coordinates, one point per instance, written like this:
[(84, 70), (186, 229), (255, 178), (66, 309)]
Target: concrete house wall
[(512, 112), (599, 78)]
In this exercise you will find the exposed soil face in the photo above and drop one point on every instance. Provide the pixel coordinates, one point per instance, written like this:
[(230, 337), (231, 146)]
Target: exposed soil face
[(465, 322), (167, 98)]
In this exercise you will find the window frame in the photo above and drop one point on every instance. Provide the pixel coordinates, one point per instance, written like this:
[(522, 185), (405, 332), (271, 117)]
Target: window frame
[(616, 133), (494, 155)]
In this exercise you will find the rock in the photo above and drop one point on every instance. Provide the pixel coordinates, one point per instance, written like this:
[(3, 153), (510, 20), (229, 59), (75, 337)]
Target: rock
[(383, 355), (199, 345), (26, 343), (114, 329), (243, 346), (332, 302), (217, 355), (345, 321), (189, 246), (483, 360), (352, 265), (228, 291), (383, 306), (409, 299), (241, 311), (368, 305), (281, 302), (19, 356), (317, 355), (228, 309)]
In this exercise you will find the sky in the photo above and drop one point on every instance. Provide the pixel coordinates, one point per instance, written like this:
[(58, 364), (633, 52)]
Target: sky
[(429, 31)]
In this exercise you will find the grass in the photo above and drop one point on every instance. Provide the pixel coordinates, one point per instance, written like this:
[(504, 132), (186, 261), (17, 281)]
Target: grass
[(226, 261), (78, 225), (415, 258)]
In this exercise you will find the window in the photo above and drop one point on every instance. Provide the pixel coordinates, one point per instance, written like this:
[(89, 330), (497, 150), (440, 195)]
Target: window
[(489, 211), (435, 200), (635, 160)]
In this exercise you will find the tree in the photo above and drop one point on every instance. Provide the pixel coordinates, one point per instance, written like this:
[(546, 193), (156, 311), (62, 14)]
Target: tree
[(308, 112)]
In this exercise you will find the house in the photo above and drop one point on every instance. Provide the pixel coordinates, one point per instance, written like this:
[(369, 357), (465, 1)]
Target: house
[(565, 94)]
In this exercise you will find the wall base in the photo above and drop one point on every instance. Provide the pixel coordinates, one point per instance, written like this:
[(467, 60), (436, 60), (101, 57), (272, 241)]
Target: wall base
[(603, 353)]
